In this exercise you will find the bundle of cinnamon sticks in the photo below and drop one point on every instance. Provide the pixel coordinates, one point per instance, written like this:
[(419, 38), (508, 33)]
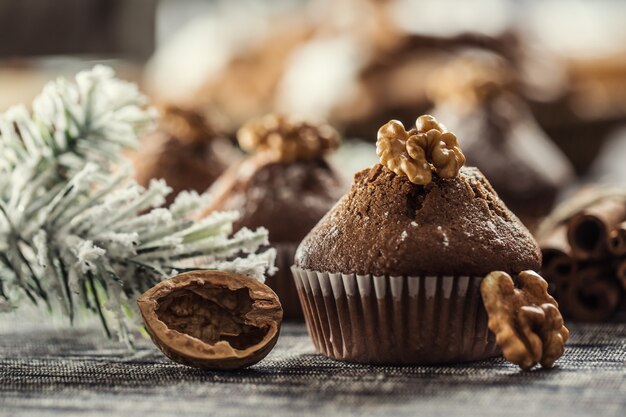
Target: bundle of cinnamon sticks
[(584, 259)]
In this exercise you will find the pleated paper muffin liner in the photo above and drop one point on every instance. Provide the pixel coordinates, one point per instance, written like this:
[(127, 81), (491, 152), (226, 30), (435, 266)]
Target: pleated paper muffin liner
[(282, 281), (395, 319)]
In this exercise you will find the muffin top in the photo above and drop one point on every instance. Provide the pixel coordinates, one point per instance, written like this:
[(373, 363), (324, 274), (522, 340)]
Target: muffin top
[(186, 150), (288, 199), (286, 185), (389, 224)]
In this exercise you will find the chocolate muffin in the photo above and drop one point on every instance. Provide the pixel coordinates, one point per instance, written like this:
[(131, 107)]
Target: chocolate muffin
[(478, 96), (286, 185), (186, 150), (392, 273)]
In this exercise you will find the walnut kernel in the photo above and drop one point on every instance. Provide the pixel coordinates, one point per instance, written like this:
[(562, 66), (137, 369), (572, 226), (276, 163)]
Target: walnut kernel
[(526, 320), (415, 153), (186, 125), (212, 319), (287, 140)]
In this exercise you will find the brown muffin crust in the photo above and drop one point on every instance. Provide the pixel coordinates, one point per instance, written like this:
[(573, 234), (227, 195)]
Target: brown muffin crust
[(387, 225), (288, 199), (186, 150), (183, 166)]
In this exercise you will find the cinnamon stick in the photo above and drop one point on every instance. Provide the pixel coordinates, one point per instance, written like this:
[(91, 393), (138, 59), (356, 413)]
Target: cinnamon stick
[(593, 294), (617, 240), (621, 273), (558, 265), (588, 231)]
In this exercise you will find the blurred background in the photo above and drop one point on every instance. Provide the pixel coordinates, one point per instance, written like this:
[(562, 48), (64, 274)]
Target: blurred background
[(537, 89)]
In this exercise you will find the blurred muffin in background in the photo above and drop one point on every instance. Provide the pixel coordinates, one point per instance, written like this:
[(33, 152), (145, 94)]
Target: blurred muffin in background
[(478, 96), (364, 83), (588, 39), (285, 184), (358, 63), (186, 150), (355, 63), (590, 107)]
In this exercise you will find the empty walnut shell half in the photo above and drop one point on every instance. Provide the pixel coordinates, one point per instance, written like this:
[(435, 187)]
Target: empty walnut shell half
[(212, 319)]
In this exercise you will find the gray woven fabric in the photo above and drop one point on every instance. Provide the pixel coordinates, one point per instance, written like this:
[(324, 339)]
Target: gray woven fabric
[(78, 372)]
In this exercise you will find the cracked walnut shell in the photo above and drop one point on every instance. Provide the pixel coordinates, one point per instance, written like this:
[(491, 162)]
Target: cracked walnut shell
[(415, 153), (287, 140), (526, 320), (212, 319)]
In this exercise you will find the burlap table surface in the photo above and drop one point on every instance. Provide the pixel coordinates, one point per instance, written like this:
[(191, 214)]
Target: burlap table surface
[(76, 371)]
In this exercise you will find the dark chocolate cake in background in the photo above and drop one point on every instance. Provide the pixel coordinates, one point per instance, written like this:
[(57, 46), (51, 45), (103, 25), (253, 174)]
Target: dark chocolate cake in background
[(286, 198), (478, 96), (186, 150)]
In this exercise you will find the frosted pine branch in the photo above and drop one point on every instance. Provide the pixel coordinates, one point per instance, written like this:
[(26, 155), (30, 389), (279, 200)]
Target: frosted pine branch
[(72, 234), (72, 123)]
